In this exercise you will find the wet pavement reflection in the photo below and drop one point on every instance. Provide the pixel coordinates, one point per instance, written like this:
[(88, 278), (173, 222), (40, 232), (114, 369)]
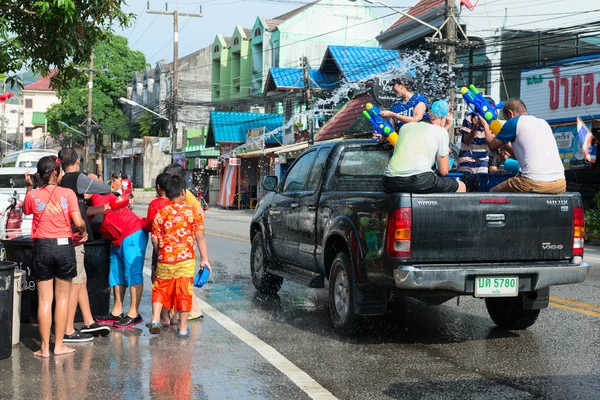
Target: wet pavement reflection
[(415, 352)]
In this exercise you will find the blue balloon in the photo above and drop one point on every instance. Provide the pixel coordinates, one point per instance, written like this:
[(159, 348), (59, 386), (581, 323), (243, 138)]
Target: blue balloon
[(441, 108), (511, 165)]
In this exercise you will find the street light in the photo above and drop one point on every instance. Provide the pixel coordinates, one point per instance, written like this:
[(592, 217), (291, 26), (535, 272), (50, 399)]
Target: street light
[(123, 100), (74, 130)]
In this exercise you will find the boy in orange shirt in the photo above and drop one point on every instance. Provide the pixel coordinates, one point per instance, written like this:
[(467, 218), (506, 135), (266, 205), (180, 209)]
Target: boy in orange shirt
[(175, 229)]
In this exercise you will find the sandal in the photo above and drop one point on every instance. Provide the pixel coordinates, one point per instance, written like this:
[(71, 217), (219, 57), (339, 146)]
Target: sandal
[(192, 317), (186, 335), (155, 328)]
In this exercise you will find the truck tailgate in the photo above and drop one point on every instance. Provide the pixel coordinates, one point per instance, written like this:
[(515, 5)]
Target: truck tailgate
[(486, 227)]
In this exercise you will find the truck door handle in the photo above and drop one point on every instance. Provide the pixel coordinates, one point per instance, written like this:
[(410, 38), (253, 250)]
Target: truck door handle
[(495, 220)]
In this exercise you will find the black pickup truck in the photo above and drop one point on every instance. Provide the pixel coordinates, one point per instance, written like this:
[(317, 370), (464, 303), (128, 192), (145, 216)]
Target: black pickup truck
[(329, 219)]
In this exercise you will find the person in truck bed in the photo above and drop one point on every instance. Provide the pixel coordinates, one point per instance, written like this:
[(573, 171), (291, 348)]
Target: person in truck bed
[(419, 146), (532, 141)]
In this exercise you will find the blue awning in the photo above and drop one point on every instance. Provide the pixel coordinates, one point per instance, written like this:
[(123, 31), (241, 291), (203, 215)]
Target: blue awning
[(231, 127)]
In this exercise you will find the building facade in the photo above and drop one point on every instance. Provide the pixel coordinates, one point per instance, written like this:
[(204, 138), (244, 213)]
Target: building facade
[(37, 98), (245, 58)]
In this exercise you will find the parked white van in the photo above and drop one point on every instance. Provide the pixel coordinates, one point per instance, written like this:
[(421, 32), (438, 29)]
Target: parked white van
[(25, 158)]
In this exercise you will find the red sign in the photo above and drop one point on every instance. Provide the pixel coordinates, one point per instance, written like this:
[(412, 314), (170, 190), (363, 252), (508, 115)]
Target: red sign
[(581, 88), (235, 162), (213, 163)]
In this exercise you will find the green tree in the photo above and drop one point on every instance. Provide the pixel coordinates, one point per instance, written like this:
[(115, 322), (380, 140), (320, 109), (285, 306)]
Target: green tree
[(149, 125), (43, 35), (120, 62)]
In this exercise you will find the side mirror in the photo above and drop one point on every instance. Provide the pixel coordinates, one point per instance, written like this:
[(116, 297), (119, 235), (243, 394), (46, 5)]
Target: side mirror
[(269, 183)]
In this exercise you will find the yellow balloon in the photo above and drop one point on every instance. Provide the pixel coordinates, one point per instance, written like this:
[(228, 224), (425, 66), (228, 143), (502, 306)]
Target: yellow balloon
[(495, 126)]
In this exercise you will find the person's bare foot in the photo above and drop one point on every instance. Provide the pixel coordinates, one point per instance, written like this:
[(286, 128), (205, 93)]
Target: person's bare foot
[(63, 350), (42, 353)]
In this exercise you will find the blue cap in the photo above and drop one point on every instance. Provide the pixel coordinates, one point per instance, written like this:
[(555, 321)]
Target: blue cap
[(201, 277)]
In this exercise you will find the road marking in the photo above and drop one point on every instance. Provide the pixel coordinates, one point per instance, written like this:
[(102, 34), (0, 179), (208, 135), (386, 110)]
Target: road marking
[(308, 385), (227, 236), (579, 310), (575, 303)]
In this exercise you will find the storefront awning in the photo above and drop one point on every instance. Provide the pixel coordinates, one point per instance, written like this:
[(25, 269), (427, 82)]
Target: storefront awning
[(291, 147)]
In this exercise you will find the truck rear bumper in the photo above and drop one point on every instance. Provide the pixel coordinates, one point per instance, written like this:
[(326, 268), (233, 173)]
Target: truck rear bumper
[(461, 279)]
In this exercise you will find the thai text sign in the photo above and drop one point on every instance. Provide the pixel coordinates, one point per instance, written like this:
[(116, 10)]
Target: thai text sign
[(564, 91)]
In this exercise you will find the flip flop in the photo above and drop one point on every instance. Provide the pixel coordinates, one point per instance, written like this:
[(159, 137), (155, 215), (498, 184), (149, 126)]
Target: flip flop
[(187, 334), (195, 317)]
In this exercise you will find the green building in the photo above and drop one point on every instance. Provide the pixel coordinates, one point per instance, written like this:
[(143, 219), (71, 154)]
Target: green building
[(241, 62)]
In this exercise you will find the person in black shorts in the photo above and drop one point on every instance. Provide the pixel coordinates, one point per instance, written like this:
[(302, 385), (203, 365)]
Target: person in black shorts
[(421, 145), (54, 265)]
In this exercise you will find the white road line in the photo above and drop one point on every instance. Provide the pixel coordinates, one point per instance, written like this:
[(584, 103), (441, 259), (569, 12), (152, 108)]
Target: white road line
[(311, 387)]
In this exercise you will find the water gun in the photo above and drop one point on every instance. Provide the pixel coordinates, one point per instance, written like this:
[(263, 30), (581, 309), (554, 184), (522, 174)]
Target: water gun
[(481, 106), (380, 125)]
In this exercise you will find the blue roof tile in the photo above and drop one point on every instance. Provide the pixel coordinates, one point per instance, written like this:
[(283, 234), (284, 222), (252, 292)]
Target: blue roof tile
[(356, 63), (292, 78), (231, 127)]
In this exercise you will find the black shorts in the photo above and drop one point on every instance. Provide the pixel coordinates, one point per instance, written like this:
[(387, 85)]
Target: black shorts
[(53, 260), (427, 182)]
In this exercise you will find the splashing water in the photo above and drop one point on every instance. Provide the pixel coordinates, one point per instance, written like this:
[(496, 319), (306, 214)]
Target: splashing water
[(433, 79)]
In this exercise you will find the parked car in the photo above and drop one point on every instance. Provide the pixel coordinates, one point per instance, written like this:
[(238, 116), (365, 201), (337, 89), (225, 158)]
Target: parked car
[(12, 191), (25, 158), (328, 220)]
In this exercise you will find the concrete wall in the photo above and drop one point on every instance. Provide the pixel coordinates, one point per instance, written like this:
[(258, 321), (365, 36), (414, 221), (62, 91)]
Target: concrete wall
[(334, 22), (195, 75), (154, 160)]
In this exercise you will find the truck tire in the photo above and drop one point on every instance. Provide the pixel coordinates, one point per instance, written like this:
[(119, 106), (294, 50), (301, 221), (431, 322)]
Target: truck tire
[(510, 313), (263, 281), (341, 297)]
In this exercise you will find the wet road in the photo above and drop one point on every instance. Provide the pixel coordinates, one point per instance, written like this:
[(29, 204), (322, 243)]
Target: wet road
[(260, 347)]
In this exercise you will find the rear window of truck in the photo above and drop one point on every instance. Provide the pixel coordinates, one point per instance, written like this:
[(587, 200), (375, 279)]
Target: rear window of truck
[(361, 169)]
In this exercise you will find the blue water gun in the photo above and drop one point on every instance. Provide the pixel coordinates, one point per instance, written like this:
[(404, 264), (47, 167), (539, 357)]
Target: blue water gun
[(481, 106), (380, 125)]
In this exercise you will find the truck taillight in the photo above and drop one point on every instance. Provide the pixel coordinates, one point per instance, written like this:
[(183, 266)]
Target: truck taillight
[(578, 230), (399, 235)]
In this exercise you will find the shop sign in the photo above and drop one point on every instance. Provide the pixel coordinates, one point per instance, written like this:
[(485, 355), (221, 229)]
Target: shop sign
[(213, 163), (235, 162), (255, 139), (564, 140), (280, 159), (383, 93), (562, 92)]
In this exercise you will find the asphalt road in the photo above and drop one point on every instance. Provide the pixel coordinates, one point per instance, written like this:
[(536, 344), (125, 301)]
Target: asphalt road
[(260, 347)]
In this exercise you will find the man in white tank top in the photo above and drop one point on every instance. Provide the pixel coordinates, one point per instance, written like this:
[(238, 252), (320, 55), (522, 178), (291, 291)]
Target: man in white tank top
[(533, 144)]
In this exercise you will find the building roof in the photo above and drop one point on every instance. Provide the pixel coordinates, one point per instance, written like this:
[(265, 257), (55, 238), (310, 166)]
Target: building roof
[(43, 84), (231, 127), (420, 9), (227, 40), (356, 63), (293, 78), (340, 122), (273, 23), (248, 32), (295, 12)]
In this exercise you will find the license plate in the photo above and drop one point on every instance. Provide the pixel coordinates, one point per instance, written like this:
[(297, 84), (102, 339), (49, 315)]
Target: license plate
[(496, 286)]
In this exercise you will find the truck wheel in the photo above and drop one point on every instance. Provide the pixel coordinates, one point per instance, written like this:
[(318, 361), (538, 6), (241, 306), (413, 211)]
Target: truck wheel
[(341, 306), (263, 281), (510, 313)]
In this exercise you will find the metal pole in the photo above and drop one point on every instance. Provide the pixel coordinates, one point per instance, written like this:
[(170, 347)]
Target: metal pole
[(89, 140), (175, 132), (311, 138), (451, 50)]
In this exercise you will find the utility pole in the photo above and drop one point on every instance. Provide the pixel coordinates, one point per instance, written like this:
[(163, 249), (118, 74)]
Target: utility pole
[(450, 42), (90, 137), (176, 14), (311, 139)]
